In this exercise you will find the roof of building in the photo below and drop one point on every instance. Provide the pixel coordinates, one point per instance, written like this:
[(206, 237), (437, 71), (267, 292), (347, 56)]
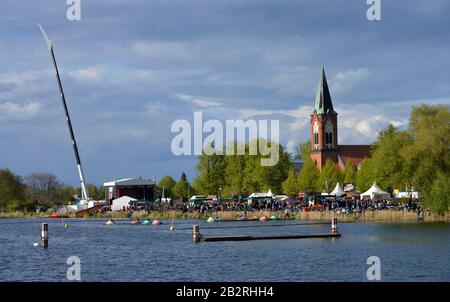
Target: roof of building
[(323, 103), (137, 181), (354, 153)]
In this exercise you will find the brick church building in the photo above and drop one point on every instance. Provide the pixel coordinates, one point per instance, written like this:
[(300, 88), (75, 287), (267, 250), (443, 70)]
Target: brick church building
[(324, 133)]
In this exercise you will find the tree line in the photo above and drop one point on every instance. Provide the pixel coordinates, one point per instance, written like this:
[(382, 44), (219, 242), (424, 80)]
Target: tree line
[(38, 190)]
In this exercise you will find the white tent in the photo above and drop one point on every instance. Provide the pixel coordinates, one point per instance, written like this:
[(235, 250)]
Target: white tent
[(119, 203), (261, 195), (375, 191), (338, 190)]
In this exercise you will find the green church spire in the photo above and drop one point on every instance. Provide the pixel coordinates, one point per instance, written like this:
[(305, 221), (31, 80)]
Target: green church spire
[(323, 99)]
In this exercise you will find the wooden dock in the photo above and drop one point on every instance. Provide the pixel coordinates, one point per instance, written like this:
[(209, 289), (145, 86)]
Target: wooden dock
[(272, 237), (198, 237)]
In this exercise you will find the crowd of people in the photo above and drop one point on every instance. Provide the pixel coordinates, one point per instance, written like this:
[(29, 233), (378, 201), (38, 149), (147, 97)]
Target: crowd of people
[(288, 205)]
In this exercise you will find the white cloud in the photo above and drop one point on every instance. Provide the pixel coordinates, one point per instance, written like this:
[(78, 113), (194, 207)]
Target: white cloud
[(346, 81), (20, 78), (12, 111), (300, 115), (162, 49), (91, 73), (199, 101), (361, 123), (248, 112)]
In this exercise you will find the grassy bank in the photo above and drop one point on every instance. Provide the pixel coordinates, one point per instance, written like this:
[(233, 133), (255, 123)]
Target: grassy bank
[(372, 216), (369, 216)]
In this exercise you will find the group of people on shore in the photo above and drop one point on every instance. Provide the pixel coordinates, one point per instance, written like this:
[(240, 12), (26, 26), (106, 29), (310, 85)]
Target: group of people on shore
[(289, 205)]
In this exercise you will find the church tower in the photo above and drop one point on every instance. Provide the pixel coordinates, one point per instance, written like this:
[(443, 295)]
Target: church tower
[(324, 143)]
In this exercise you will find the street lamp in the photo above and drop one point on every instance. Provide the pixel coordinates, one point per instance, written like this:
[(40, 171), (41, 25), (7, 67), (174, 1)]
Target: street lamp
[(220, 191)]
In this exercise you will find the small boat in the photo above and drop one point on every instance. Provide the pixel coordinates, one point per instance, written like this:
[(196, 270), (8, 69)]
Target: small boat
[(54, 215), (146, 221), (264, 218), (110, 222), (135, 222), (210, 219), (274, 218), (157, 222)]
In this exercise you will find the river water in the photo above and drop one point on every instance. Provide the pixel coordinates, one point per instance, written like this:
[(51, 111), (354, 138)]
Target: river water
[(124, 252)]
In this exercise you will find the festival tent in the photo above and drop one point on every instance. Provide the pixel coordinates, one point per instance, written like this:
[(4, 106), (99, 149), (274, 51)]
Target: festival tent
[(338, 190), (375, 191), (259, 196), (262, 195), (119, 203)]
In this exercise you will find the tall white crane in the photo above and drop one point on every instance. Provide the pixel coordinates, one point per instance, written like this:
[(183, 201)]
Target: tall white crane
[(84, 193)]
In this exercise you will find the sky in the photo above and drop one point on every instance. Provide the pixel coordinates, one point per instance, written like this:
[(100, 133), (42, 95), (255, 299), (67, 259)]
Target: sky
[(130, 68)]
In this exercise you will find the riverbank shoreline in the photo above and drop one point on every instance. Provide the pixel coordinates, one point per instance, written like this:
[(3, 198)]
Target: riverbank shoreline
[(368, 216)]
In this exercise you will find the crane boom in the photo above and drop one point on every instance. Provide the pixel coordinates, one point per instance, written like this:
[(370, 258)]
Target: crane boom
[(84, 193)]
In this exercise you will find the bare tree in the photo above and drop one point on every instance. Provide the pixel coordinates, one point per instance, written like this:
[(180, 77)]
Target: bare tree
[(43, 188)]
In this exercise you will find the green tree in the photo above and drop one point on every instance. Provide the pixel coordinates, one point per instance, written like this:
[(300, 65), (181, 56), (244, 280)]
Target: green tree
[(388, 161), (66, 194), (94, 192), (234, 172), (168, 183), (308, 177), (11, 191), (210, 171), (328, 177), (428, 155), (349, 173), (303, 150), (290, 185), (365, 175), (258, 177), (437, 198), (182, 188)]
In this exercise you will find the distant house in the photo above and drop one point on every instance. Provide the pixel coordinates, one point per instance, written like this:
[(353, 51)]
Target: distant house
[(137, 188), (324, 133)]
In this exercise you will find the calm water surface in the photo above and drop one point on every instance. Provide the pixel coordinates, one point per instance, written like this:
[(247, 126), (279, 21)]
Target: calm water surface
[(123, 252)]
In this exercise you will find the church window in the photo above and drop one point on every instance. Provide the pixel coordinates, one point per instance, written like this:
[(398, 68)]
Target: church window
[(329, 134)]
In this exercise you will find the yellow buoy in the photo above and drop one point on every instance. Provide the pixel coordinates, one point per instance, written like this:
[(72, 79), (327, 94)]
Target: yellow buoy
[(66, 225), (172, 228)]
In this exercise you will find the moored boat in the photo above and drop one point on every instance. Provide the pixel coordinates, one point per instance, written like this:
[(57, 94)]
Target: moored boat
[(54, 215)]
